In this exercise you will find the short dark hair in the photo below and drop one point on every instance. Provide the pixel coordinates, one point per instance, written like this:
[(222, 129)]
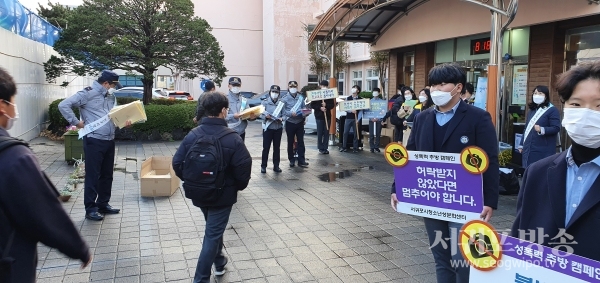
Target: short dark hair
[(8, 88), (470, 88), (567, 81), (214, 102), (543, 89), (324, 83), (401, 86), (414, 96), (447, 73), (358, 89), (377, 89)]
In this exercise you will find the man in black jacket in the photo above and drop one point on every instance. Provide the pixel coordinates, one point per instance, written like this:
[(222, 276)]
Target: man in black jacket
[(29, 208), (237, 175), (322, 108)]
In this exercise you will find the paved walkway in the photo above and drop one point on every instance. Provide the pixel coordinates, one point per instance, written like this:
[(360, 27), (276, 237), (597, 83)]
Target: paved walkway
[(287, 227)]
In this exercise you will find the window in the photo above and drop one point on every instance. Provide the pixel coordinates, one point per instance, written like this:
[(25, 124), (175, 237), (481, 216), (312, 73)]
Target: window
[(357, 78), (409, 69), (341, 76), (313, 80), (131, 81), (372, 79)]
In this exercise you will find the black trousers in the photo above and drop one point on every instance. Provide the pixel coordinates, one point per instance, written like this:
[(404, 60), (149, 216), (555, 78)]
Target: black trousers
[(295, 130), (271, 136), (322, 134), (398, 133), (99, 165)]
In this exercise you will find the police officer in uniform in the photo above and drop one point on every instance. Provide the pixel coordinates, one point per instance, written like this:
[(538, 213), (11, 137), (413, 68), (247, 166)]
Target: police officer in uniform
[(237, 104), (94, 103), (294, 125), (272, 128)]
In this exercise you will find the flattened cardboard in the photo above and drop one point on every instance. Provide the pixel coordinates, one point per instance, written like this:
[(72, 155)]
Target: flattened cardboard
[(158, 178)]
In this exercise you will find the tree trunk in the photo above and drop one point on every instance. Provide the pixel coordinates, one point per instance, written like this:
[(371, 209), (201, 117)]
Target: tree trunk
[(148, 83)]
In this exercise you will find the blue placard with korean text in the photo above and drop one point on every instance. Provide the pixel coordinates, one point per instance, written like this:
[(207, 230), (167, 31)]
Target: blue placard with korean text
[(377, 110), (436, 185)]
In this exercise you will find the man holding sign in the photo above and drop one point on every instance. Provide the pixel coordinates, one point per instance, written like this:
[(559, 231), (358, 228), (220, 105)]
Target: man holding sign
[(94, 103), (451, 127), (323, 119), (352, 119)]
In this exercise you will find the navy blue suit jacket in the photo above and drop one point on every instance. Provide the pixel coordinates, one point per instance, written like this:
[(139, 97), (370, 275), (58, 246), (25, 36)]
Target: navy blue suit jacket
[(542, 204), (470, 122), (538, 147)]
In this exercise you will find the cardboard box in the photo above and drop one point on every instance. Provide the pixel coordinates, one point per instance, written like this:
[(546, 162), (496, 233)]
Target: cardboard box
[(384, 140), (158, 178)]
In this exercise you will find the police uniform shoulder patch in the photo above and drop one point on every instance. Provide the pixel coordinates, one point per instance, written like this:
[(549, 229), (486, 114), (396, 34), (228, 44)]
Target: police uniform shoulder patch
[(88, 88)]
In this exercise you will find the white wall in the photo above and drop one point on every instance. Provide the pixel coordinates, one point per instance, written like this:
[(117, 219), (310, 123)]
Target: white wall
[(23, 59), (238, 27)]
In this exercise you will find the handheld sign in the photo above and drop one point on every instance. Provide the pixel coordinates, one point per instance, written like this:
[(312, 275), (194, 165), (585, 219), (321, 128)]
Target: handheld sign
[(358, 104), (497, 257), (377, 110), (439, 185), (322, 94)]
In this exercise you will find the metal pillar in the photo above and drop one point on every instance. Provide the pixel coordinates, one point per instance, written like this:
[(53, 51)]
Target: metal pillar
[(332, 84), (494, 68)]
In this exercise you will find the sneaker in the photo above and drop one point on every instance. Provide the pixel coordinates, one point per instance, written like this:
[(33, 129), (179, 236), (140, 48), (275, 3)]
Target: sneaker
[(326, 152), (293, 164), (377, 149), (321, 152), (372, 150), (263, 170), (219, 271)]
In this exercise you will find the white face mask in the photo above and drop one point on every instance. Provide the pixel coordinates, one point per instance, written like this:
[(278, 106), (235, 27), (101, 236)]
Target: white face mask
[(293, 90), (441, 98), (422, 98), (539, 99), (323, 87), (408, 97), (274, 95), (354, 90), (235, 89), (375, 94), (12, 120), (583, 126), (111, 91)]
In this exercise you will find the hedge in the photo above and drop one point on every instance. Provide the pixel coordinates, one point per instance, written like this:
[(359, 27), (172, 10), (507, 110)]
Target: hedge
[(164, 116)]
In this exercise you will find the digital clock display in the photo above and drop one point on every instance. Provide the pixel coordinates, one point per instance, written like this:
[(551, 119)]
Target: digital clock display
[(480, 46)]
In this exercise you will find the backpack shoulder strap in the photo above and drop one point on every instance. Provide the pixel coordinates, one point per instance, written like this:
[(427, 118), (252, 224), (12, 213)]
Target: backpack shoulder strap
[(6, 142)]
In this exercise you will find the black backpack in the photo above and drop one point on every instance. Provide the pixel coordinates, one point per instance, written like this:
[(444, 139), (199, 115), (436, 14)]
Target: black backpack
[(204, 167), (6, 261)]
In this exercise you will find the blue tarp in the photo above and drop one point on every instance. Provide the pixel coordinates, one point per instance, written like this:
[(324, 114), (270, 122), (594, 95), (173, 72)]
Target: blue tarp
[(20, 20)]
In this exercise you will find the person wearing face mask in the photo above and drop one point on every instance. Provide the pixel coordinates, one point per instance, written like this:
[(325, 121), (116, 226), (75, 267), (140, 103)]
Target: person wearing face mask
[(352, 117), (450, 127), (560, 194), (294, 124), (375, 125), (272, 128), (394, 117), (406, 110), (322, 108), (237, 176), (237, 104), (30, 211), (94, 103), (424, 103), (543, 126), (468, 96)]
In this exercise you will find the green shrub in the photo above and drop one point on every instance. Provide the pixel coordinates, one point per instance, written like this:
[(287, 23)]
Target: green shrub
[(164, 115), (366, 94), (165, 119), (309, 88)]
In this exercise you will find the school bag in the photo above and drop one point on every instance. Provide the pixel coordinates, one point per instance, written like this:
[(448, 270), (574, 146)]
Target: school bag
[(204, 167)]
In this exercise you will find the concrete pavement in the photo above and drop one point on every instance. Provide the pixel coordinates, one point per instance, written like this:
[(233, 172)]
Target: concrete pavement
[(331, 222)]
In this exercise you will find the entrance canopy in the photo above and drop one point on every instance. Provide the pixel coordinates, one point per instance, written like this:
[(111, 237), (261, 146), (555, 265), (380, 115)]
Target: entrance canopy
[(360, 20)]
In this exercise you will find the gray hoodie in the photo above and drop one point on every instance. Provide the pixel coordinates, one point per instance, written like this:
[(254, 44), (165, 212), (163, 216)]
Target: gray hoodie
[(93, 103)]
